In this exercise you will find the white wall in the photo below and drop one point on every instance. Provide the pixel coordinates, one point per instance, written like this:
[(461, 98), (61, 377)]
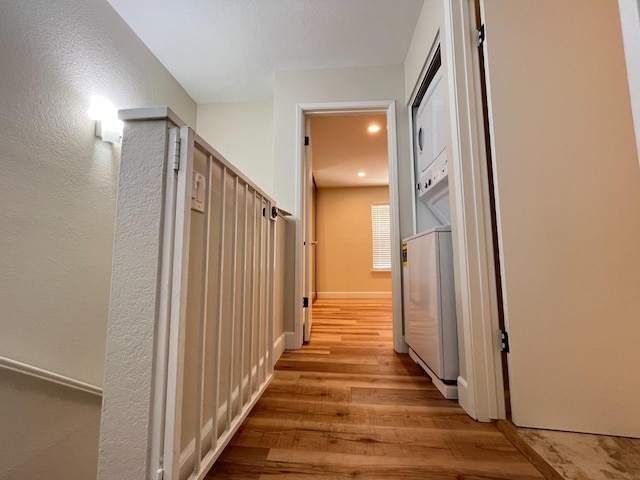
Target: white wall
[(334, 85), (428, 26), (46, 430), (630, 20), (243, 133), (58, 185), (568, 203)]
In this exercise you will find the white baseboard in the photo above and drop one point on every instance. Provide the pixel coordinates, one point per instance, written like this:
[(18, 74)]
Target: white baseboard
[(329, 295), (450, 392), (37, 372), (291, 341), (278, 347), (405, 347)]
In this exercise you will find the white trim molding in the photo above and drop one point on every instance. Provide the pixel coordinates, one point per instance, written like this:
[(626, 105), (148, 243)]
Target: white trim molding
[(387, 107), (279, 347), (481, 391), (291, 341), (49, 376)]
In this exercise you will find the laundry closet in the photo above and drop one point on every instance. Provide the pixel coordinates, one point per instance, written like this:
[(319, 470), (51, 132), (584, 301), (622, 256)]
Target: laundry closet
[(428, 283)]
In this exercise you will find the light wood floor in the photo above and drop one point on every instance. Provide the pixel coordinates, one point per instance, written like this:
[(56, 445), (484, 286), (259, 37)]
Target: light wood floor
[(348, 406)]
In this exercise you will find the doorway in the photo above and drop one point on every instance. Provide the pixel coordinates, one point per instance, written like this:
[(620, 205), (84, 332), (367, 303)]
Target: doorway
[(305, 244), (349, 210)]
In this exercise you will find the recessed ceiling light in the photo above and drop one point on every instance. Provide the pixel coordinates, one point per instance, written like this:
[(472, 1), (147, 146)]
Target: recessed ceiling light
[(373, 128), (361, 174)]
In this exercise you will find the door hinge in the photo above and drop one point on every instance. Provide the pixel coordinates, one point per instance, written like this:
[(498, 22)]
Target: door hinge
[(160, 474), (504, 341), (305, 302), (176, 154), (306, 141), (480, 35)]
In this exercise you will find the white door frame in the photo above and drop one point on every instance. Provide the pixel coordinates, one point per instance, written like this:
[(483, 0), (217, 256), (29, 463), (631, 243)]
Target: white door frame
[(308, 243), (389, 108), (480, 386)]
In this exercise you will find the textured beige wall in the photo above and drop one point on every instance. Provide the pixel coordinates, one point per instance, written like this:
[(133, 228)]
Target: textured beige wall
[(58, 193), (344, 242), (243, 133), (46, 430), (58, 185), (568, 204)]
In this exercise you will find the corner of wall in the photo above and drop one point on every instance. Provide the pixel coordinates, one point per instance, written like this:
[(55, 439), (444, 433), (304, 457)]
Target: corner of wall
[(427, 29)]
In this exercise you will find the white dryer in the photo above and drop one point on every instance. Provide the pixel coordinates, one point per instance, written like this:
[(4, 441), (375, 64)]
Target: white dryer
[(431, 140)]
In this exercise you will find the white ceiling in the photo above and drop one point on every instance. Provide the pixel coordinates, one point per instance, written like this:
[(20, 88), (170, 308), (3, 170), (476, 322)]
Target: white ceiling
[(227, 50), (342, 146)]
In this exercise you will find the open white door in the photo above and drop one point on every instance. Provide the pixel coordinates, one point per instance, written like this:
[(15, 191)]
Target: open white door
[(568, 207), (309, 243)]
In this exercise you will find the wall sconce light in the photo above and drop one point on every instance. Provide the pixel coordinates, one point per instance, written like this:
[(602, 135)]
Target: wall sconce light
[(108, 126)]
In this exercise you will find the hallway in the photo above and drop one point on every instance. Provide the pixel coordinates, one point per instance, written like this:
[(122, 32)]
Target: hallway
[(347, 406)]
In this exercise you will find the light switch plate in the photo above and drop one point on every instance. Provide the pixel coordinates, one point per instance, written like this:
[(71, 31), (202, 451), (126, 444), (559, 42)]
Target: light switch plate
[(198, 190)]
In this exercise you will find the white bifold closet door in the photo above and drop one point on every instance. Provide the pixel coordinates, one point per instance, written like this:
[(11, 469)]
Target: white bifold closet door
[(568, 209)]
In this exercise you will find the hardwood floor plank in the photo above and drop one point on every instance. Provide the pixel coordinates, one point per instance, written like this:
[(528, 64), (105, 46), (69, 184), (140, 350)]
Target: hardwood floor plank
[(240, 463), (386, 381), (347, 406), (363, 439), (394, 396), (304, 366), (311, 392), (281, 407), (296, 464), (346, 359)]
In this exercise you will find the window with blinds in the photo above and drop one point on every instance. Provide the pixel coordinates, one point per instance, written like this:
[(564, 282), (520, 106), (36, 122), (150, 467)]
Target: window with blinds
[(381, 236)]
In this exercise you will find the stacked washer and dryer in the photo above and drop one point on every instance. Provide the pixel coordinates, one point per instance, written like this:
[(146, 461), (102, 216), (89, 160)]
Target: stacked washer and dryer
[(429, 299)]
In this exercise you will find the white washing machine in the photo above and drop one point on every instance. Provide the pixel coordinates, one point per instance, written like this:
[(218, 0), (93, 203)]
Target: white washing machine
[(430, 307)]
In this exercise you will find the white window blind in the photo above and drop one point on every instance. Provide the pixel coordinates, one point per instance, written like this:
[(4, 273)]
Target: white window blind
[(381, 236)]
